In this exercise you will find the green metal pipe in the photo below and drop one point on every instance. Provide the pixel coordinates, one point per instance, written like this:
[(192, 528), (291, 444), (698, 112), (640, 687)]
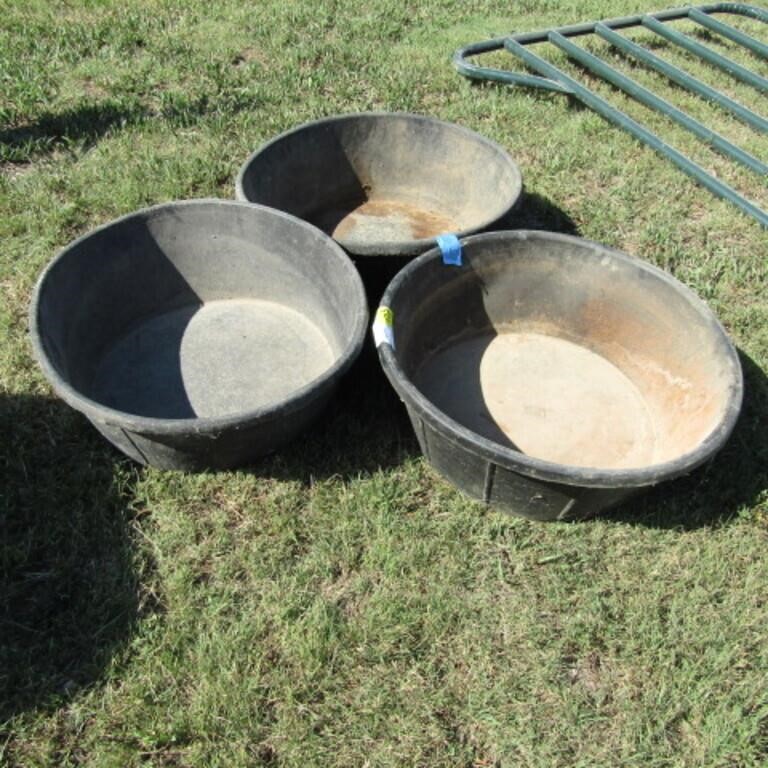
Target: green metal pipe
[(644, 96), (736, 35), (681, 77), (576, 30), (623, 22), (710, 56), (475, 72), (625, 122), (498, 75)]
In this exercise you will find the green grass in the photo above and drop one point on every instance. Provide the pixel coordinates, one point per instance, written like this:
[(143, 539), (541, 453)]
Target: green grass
[(338, 604)]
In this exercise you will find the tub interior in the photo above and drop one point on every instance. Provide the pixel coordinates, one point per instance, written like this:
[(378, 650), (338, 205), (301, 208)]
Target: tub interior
[(383, 178), (198, 311), (565, 353)]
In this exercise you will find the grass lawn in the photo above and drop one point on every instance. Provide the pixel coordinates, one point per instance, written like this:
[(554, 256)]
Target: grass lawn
[(339, 604)]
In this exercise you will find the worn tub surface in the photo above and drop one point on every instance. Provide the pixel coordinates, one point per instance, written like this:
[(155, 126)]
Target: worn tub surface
[(553, 376), (199, 334), (384, 184)]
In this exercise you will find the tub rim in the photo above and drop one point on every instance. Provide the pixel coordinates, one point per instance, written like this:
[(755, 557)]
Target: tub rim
[(406, 247), (197, 425), (541, 469)]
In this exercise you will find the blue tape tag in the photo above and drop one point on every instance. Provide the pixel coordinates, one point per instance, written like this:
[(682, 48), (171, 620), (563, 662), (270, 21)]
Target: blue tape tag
[(451, 249)]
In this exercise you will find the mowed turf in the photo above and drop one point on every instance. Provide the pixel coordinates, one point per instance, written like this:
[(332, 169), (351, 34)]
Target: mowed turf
[(339, 604)]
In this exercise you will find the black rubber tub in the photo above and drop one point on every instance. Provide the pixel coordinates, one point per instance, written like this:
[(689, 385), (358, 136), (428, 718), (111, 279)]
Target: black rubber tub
[(199, 334), (553, 377), (384, 185)]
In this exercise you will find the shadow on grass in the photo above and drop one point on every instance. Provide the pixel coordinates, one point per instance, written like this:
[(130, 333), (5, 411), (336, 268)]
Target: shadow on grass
[(84, 124), (714, 493), (537, 212), (364, 429), (68, 586), (88, 122)]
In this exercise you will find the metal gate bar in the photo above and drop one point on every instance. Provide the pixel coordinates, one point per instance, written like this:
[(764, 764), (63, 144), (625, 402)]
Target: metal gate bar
[(681, 78), (551, 78), (716, 59), (732, 34)]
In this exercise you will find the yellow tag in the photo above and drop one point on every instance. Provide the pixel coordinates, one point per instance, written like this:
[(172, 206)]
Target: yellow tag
[(384, 316), (383, 333)]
